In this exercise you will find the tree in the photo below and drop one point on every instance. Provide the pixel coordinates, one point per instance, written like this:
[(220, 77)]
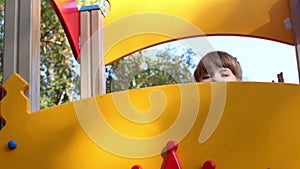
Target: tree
[(81, 3), (151, 67), (59, 82), (57, 63), (1, 36)]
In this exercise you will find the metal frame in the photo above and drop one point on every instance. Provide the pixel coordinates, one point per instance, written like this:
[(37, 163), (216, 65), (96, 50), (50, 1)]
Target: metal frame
[(295, 14), (22, 45)]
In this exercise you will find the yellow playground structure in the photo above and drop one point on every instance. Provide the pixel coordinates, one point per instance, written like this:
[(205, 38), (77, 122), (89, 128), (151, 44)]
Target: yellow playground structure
[(211, 125)]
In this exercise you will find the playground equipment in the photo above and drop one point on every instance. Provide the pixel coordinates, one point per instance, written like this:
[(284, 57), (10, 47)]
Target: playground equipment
[(183, 126)]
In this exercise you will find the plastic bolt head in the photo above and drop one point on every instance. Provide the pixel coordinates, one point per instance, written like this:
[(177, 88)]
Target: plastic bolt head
[(136, 167), (12, 144)]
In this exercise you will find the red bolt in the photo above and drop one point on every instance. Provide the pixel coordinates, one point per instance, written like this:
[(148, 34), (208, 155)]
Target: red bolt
[(209, 165), (136, 167)]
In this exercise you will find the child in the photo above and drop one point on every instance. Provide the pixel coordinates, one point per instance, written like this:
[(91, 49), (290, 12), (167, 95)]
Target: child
[(218, 66)]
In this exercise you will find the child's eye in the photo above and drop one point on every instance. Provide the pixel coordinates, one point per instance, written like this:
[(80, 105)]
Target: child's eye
[(206, 77), (225, 74)]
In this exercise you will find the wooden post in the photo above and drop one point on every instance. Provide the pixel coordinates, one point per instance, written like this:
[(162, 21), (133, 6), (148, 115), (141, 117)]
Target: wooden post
[(97, 51), (22, 45), (92, 65), (295, 14), (85, 58)]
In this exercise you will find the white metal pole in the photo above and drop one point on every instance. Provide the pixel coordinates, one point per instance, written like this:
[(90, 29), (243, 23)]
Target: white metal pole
[(22, 45), (295, 14)]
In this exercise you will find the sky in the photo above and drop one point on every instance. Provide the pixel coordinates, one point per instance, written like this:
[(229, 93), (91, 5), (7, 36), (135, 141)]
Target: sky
[(261, 60)]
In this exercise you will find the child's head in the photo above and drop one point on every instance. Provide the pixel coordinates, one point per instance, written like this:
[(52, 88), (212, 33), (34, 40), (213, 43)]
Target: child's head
[(218, 66)]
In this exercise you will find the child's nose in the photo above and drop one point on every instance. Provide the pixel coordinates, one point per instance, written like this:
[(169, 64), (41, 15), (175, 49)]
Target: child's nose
[(213, 79), (216, 78)]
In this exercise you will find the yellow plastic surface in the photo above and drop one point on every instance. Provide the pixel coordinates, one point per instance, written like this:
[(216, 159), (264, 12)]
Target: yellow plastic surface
[(136, 24), (237, 125)]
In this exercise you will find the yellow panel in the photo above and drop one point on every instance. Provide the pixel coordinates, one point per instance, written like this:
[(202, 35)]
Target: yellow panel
[(136, 24), (236, 125)]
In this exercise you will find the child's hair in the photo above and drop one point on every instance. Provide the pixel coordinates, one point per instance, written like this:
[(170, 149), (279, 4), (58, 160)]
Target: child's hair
[(217, 59)]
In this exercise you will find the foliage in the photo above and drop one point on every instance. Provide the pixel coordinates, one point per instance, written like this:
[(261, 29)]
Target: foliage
[(104, 5), (81, 3), (1, 36), (151, 67), (57, 75)]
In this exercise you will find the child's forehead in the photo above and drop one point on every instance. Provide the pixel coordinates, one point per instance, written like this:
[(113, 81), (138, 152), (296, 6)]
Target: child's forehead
[(214, 62), (212, 69)]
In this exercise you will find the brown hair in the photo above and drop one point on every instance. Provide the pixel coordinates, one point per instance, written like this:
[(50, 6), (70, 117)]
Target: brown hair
[(217, 59)]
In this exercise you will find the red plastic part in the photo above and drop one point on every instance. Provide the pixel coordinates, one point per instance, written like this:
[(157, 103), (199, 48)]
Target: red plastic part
[(209, 165), (172, 159), (136, 167), (69, 16)]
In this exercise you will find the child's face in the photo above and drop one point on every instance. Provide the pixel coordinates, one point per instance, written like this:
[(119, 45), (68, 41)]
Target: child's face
[(218, 75)]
